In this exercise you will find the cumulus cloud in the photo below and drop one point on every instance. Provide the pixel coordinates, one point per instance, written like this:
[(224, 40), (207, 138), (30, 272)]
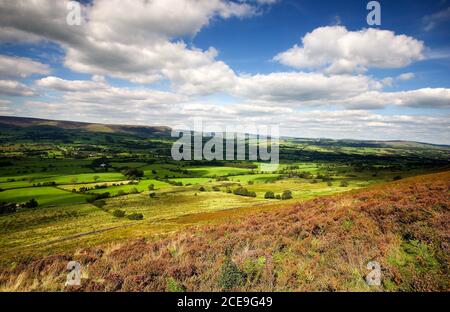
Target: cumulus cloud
[(60, 84), (357, 124), (302, 87), (20, 67), (14, 88), (337, 50), (145, 41), (98, 92), (431, 98), (142, 46)]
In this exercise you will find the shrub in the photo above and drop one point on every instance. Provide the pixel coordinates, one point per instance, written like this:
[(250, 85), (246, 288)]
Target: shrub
[(286, 195), (269, 195), (344, 183), (216, 189), (136, 216), (151, 187), (278, 196), (396, 178), (202, 189), (242, 191), (329, 183), (174, 286), (99, 203), (119, 213), (32, 203), (152, 195), (134, 191), (121, 193), (230, 276)]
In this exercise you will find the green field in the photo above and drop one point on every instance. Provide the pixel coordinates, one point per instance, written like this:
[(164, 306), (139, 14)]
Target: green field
[(44, 195), (78, 199)]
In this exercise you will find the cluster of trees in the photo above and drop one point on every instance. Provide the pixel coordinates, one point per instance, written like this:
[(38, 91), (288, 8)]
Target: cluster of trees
[(132, 216), (242, 191), (12, 207), (285, 195), (84, 189), (95, 197), (133, 173), (52, 183)]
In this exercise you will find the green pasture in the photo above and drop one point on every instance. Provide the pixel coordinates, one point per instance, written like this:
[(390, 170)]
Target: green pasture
[(44, 196)]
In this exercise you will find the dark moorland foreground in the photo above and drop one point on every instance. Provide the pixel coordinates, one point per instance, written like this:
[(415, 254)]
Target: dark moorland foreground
[(111, 198)]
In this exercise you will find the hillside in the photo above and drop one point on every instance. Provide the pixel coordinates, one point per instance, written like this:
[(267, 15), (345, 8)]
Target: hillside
[(37, 124), (43, 124), (323, 244)]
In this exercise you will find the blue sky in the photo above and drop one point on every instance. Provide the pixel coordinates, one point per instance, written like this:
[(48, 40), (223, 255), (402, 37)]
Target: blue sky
[(313, 68)]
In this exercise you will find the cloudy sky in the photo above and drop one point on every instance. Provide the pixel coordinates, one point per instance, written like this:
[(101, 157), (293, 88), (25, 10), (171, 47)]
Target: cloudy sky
[(314, 68)]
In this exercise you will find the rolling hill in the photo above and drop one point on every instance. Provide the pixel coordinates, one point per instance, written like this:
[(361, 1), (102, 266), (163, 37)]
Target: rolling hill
[(322, 244), (39, 124)]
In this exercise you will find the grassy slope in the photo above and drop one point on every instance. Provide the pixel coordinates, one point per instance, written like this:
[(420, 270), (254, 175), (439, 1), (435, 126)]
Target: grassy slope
[(323, 244)]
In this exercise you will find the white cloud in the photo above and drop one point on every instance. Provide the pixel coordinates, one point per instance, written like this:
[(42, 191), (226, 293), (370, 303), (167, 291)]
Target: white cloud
[(302, 87), (431, 98), (14, 88), (70, 85), (406, 76), (20, 67), (337, 50), (98, 92), (431, 21), (142, 46)]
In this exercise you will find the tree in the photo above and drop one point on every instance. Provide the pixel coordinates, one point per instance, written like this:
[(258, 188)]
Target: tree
[(32, 203), (286, 195), (133, 173), (269, 195)]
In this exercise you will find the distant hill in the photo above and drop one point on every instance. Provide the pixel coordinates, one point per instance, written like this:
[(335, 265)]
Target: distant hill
[(366, 143), (24, 122), (8, 122)]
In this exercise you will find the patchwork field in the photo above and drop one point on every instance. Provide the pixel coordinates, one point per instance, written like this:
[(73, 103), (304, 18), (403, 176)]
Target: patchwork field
[(67, 198)]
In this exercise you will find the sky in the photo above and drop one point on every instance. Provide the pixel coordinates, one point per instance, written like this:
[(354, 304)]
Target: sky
[(314, 69)]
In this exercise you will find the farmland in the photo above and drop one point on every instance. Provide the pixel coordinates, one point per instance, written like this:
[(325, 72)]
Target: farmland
[(88, 187)]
